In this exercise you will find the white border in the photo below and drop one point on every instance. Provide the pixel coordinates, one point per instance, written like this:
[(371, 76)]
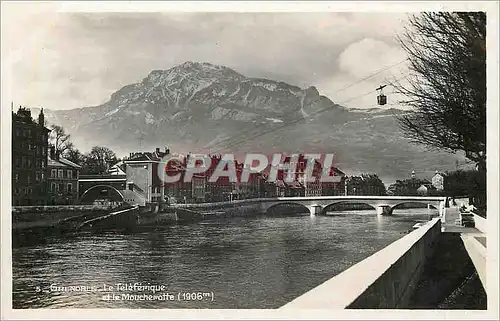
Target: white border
[(491, 7)]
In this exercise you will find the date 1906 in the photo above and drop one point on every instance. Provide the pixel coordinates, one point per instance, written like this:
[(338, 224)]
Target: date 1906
[(195, 296)]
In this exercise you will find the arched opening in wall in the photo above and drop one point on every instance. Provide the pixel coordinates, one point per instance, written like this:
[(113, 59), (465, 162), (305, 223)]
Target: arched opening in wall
[(101, 195), (287, 209), (341, 208), (416, 209)]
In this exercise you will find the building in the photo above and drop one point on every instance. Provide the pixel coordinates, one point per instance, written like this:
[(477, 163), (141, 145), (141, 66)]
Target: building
[(308, 186), (29, 158), (438, 181), (198, 187), (254, 186), (62, 179), (178, 191), (281, 189), (222, 189), (141, 170), (295, 189)]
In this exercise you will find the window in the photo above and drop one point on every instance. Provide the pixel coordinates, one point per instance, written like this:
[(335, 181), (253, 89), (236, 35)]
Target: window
[(37, 176), (60, 173), (43, 176), (29, 179), (16, 177), (43, 163), (18, 162), (29, 146), (61, 188), (29, 163), (70, 188), (70, 173), (53, 173), (18, 133), (53, 187)]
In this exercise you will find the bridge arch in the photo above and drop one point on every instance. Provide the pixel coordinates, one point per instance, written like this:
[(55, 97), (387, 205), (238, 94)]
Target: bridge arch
[(96, 192), (433, 204), (296, 205), (329, 206)]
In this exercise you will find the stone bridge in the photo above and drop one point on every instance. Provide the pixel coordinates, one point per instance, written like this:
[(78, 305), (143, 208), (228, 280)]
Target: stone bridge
[(317, 205)]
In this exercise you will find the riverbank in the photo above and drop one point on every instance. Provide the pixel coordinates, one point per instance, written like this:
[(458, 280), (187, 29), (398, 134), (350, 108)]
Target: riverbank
[(60, 208), (26, 217)]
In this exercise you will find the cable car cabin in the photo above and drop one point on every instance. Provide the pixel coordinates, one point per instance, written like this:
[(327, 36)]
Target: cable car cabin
[(382, 99)]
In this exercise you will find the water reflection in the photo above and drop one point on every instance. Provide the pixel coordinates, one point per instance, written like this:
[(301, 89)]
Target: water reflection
[(260, 262)]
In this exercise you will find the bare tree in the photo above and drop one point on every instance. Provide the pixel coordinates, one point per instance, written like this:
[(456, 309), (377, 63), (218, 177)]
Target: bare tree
[(98, 160), (74, 155), (60, 139), (447, 82)]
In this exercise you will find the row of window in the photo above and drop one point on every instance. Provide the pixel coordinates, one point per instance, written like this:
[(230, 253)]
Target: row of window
[(23, 191), (27, 132), (27, 162), (39, 176), (54, 187), (59, 173), (55, 173), (23, 132), (39, 149)]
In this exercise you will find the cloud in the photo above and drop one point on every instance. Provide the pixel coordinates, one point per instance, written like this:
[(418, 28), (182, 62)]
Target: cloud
[(91, 55), (362, 67)]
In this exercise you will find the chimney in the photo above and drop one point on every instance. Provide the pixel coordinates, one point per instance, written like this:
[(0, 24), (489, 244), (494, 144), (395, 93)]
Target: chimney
[(52, 152), (157, 150), (167, 150)]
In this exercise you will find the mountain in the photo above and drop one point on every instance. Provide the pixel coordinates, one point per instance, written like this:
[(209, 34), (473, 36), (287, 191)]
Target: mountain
[(201, 107)]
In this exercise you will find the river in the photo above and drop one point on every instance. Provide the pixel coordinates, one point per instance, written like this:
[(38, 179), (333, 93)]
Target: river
[(260, 262)]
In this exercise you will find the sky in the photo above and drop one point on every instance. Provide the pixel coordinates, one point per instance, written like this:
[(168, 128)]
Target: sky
[(70, 60)]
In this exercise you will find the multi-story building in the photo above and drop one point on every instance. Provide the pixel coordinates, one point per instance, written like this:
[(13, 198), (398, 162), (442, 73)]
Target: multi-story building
[(198, 186), (141, 169), (337, 187), (63, 175), (222, 189), (438, 181), (29, 158), (253, 186), (308, 186)]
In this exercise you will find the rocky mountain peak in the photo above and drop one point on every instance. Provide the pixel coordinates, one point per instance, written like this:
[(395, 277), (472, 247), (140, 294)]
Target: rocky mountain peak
[(190, 71), (312, 91)]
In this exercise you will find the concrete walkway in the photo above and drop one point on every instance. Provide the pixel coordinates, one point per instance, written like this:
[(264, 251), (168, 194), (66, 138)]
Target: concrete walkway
[(473, 239)]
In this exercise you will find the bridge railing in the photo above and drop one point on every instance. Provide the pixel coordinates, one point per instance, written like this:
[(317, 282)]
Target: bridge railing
[(301, 198)]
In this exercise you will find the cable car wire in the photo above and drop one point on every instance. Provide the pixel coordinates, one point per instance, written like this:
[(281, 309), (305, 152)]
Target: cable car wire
[(241, 134), (299, 119), (369, 76)]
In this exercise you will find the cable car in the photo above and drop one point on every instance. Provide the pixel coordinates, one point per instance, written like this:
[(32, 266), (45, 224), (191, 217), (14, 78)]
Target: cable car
[(381, 98)]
